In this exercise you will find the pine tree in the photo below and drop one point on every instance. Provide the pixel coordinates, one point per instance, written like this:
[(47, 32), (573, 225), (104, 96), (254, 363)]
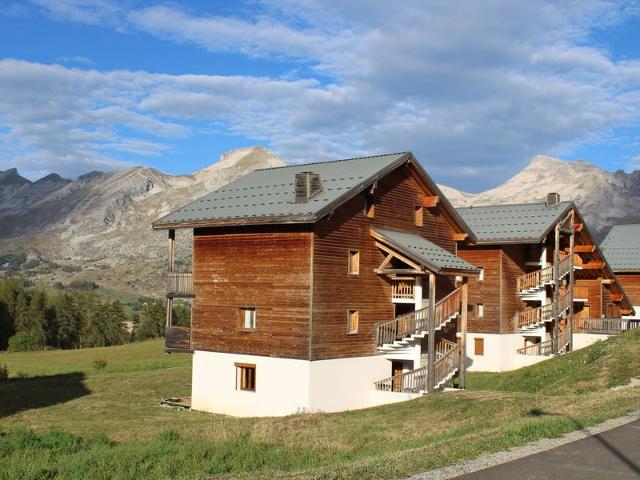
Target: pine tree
[(69, 322), (152, 321)]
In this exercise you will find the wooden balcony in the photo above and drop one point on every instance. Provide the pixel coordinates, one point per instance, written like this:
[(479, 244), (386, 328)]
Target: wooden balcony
[(606, 326), (547, 348), (180, 285), (402, 289), (178, 339)]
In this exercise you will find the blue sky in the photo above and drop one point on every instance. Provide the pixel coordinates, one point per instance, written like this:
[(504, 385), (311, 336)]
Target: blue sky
[(474, 89)]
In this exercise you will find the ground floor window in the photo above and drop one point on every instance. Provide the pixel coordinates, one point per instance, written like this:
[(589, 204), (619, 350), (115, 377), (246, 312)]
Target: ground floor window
[(478, 346), (353, 318), (245, 377)]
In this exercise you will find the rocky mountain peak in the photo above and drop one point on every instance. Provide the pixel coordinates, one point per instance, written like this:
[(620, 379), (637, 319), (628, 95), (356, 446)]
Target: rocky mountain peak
[(12, 177)]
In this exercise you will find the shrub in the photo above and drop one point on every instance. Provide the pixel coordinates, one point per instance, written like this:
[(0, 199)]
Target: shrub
[(26, 342), (4, 372), (99, 363)]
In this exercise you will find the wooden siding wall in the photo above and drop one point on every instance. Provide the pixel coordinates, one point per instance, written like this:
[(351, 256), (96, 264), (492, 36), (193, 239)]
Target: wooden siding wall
[(486, 291), (265, 268), (594, 296), (514, 258), (335, 292), (631, 284), (610, 308)]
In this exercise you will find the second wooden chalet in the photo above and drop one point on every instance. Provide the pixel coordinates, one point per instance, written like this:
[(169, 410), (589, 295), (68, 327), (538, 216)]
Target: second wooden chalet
[(621, 248), (545, 286), (325, 286)]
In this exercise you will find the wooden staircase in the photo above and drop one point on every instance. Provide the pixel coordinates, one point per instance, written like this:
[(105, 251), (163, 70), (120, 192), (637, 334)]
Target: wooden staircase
[(534, 282), (533, 318), (416, 381), (403, 330)]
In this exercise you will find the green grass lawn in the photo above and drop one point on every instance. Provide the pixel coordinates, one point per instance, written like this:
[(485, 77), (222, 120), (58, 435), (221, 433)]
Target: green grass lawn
[(61, 417)]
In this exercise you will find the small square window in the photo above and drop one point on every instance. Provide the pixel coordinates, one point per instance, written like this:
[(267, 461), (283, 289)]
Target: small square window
[(369, 206), (248, 318), (245, 377), (352, 321), (480, 310), (478, 346), (419, 215), (354, 262)]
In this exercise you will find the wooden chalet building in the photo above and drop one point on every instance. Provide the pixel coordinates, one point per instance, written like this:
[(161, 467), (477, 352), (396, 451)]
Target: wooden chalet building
[(544, 288), (321, 287), (621, 247)]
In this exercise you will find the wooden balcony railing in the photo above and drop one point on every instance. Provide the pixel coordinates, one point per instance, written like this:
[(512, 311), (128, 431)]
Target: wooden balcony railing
[(543, 313), (546, 348), (177, 339), (180, 285), (402, 288), (544, 276), (608, 326), (416, 381), (418, 321)]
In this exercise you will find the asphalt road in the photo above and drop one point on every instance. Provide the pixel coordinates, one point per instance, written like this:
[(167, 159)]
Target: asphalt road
[(614, 455)]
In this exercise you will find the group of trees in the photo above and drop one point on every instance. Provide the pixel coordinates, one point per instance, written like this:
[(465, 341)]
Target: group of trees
[(32, 319)]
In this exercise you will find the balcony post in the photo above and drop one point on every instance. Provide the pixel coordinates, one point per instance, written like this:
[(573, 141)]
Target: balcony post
[(571, 279), (463, 331), (171, 262), (556, 287), (431, 368)]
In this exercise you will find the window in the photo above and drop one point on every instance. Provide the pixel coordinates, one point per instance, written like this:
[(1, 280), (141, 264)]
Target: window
[(354, 262), (369, 206), (352, 321), (481, 275), (478, 346), (245, 377), (248, 318), (419, 215), (480, 310)]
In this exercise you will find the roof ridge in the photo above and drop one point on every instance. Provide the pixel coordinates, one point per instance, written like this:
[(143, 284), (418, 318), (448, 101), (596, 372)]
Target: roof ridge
[(333, 161), (493, 205)]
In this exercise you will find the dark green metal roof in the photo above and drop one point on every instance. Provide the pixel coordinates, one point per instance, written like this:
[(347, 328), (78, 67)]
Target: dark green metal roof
[(267, 195), (522, 223), (621, 248), (424, 252)]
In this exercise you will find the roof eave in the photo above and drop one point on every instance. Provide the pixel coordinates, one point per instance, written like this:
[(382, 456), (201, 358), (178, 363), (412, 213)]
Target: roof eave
[(239, 221)]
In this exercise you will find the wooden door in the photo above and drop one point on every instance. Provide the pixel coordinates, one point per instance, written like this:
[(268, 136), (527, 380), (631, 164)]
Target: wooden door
[(396, 369)]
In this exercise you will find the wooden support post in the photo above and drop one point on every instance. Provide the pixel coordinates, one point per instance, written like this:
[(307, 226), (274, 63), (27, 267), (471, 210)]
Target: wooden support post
[(171, 258), (431, 368), (556, 287), (464, 294), (571, 280)]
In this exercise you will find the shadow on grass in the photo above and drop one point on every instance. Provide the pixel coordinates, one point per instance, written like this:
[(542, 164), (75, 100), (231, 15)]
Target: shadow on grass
[(20, 394)]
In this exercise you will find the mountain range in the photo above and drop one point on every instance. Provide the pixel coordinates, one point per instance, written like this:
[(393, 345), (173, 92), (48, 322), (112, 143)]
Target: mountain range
[(97, 227)]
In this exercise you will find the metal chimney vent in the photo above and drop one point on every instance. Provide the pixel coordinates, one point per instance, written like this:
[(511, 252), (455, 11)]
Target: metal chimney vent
[(307, 185), (553, 199)]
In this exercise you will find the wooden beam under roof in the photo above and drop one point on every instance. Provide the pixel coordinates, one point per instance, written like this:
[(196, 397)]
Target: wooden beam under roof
[(577, 227), (616, 297), (583, 249), (607, 281), (595, 265), (430, 202), (460, 237)]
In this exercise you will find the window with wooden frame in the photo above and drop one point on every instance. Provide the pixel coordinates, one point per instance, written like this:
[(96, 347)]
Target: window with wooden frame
[(478, 346), (369, 206), (419, 215), (481, 275), (352, 321), (245, 377), (248, 318), (354, 262), (480, 310)]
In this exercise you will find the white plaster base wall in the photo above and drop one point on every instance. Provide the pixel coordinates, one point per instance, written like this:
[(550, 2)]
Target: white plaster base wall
[(287, 386), (499, 353), (581, 340)]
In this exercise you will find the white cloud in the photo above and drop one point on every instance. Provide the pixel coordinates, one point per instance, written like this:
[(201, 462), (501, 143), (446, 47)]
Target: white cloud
[(468, 86)]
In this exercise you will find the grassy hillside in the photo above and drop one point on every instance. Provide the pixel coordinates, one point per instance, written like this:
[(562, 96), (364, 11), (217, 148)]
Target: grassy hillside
[(66, 419)]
